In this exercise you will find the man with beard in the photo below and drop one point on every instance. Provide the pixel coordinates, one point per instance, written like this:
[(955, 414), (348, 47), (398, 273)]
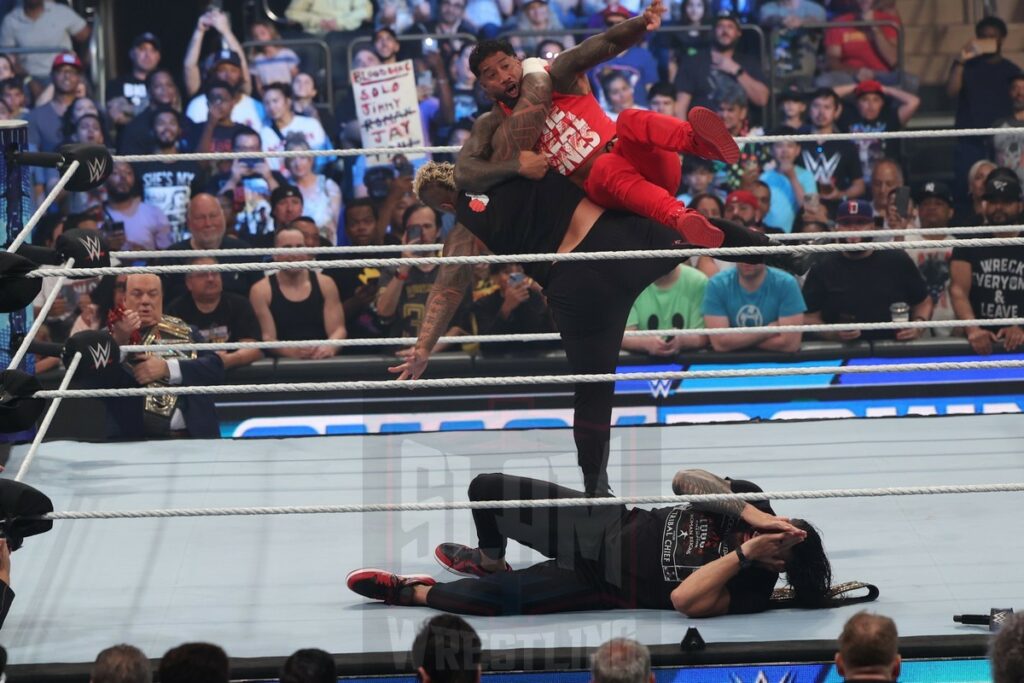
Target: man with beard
[(161, 91), (228, 68), (631, 164), (145, 226), (707, 76), (861, 286), (988, 282), (46, 122), (169, 185), (128, 93)]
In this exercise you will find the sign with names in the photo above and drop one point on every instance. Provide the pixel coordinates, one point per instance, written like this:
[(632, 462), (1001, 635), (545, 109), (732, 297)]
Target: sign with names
[(387, 108)]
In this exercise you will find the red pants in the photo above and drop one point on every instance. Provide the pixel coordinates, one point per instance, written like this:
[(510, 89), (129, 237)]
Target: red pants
[(642, 172)]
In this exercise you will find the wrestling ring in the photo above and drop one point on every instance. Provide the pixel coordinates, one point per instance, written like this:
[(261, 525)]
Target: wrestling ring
[(155, 543)]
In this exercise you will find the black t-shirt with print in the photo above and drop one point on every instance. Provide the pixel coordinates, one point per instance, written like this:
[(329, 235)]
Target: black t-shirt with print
[(231, 321), (671, 543), (412, 304), (871, 150), (832, 162), (997, 280), (861, 290)]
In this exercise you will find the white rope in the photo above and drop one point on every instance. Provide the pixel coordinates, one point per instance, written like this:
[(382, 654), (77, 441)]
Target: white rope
[(270, 251), (534, 258), (457, 382), (756, 139), (44, 427), (385, 248), (41, 210), (554, 336), (30, 336), (538, 503)]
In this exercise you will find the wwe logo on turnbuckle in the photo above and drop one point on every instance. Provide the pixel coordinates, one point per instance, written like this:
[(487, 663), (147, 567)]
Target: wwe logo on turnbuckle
[(97, 167), (100, 355), (93, 247)]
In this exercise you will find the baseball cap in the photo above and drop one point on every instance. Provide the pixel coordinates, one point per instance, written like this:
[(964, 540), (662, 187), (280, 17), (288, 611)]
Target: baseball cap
[(147, 37), (1002, 187), (726, 15), (855, 211), (67, 59), (283, 192), (867, 88), (742, 197), (616, 11), (936, 189), (227, 57)]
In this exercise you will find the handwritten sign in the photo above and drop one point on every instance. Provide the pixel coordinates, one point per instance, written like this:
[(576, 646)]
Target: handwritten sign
[(388, 109)]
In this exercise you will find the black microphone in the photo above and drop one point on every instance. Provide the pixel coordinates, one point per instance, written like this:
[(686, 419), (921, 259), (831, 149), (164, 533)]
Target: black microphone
[(995, 619)]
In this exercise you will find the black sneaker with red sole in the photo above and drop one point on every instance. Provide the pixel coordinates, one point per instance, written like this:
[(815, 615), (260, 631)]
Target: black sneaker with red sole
[(463, 560), (391, 588)]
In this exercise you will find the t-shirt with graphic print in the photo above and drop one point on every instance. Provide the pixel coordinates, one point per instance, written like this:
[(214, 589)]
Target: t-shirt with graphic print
[(778, 297), (997, 280), (832, 162), (676, 307), (671, 543)]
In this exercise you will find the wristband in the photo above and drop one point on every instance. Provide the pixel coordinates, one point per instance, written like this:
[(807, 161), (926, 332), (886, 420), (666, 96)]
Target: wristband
[(400, 276), (739, 72), (744, 561)]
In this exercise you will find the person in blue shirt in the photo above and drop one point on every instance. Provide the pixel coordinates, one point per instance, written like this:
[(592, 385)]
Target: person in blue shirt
[(753, 295), (789, 182)]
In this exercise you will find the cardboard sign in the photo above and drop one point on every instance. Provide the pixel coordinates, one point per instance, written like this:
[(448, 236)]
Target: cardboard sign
[(388, 109)]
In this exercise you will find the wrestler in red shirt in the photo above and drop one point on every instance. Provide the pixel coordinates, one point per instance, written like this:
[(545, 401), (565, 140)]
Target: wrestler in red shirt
[(630, 165)]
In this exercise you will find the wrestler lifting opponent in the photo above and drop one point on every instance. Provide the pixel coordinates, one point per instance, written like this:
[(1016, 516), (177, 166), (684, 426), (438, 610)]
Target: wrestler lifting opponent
[(631, 164), (701, 560)]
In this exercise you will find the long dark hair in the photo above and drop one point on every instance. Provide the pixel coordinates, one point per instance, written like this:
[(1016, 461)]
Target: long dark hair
[(808, 571)]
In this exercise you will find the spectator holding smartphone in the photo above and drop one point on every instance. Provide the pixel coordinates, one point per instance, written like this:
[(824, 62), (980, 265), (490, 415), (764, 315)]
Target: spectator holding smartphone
[(517, 307)]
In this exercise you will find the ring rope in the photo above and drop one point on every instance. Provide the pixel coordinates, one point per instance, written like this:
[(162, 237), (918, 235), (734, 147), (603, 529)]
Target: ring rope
[(270, 251), (784, 237), (40, 319), (762, 139), (529, 258), (44, 426), (536, 503), (554, 336), (456, 382), (43, 207)]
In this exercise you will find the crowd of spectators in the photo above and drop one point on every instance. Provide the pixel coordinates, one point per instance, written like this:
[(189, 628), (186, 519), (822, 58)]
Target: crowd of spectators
[(230, 96)]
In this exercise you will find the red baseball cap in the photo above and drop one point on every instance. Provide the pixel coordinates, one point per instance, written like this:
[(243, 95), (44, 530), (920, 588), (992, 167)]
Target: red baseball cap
[(743, 197), (67, 59), (867, 88)]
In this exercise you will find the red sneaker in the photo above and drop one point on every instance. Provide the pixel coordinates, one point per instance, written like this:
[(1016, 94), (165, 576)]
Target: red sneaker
[(393, 589), (463, 560), (695, 229), (711, 139)]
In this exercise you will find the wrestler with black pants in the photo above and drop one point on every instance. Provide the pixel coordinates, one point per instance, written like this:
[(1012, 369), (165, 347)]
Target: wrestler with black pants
[(589, 300)]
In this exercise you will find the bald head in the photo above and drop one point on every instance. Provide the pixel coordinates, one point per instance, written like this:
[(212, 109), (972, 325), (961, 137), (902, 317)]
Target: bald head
[(868, 646), (206, 222), (144, 294)]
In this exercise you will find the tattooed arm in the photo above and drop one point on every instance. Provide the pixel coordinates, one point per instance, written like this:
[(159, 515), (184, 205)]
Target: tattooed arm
[(574, 62), (499, 147), (698, 482), (446, 295)]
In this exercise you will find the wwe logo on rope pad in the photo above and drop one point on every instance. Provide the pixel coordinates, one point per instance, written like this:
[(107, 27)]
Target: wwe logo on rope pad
[(100, 355), (97, 169), (93, 247)]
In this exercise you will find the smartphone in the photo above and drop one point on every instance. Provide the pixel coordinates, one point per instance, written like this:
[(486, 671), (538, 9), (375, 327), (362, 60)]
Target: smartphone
[(414, 233), (516, 278), (429, 45), (986, 46), (902, 201)]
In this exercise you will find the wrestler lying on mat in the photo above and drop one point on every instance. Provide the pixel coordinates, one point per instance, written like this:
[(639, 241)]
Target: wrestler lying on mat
[(702, 560)]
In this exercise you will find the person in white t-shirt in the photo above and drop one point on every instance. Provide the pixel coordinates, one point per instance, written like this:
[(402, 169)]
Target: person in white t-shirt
[(285, 125), (227, 67)]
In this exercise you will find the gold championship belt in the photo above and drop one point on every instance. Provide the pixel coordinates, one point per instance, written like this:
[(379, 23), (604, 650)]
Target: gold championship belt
[(159, 409)]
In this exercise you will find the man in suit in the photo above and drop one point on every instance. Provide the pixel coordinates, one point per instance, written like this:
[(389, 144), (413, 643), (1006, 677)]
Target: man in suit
[(143, 322)]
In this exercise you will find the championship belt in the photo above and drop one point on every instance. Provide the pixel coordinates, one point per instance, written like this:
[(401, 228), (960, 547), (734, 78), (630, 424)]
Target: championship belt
[(157, 410), (837, 595)]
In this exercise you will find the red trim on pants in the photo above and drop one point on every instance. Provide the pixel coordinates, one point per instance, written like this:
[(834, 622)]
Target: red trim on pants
[(643, 171)]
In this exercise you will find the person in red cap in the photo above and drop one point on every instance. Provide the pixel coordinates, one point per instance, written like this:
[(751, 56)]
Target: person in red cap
[(742, 207), (874, 112), (46, 121), (630, 165)]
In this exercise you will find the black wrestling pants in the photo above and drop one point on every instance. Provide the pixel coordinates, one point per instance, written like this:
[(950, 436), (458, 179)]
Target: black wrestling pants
[(590, 302), (575, 538)]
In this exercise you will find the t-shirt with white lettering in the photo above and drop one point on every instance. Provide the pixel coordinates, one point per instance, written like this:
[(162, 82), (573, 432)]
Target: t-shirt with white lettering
[(997, 280)]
